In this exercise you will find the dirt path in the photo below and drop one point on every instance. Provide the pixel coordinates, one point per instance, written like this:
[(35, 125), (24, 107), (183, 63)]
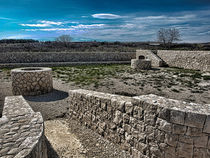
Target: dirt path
[(71, 140)]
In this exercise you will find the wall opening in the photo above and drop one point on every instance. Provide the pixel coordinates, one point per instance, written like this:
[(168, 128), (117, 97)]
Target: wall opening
[(141, 57)]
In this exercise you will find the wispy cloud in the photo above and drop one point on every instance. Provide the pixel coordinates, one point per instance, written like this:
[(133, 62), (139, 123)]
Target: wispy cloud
[(4, 18), (36, 25), (18, 36), (51, 22), (106, 16), (70, 28), (43, 23)]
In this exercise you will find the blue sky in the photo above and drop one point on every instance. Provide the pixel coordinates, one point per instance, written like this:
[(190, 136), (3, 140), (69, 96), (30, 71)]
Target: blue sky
[(104, 20)]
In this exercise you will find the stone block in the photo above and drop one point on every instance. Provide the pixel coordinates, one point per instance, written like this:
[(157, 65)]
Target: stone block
[(171, 139), (186, 139), (195, 120), (129, 108), (177, 117), (201, 141), (184, 150), (201, 153), (206, 128), (192, 131), (164, 114), (164, 125), (178, 129)]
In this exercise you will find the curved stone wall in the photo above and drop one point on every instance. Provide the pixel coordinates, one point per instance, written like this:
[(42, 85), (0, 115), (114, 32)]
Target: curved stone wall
[(147, 126), (31, 81), (21, 130)]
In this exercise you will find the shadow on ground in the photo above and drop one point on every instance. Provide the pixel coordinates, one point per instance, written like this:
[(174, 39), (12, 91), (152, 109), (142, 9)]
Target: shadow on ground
[(50, 151), (55, 95)]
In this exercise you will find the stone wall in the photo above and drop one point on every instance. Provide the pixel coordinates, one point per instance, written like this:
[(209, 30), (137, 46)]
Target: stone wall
[(43, 57), (147, 126), (197, 60), (21, 130)]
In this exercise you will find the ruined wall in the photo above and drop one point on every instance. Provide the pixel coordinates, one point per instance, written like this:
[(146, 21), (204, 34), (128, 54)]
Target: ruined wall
[(41, 57), (146, 126), (197, 60), (21, 130)]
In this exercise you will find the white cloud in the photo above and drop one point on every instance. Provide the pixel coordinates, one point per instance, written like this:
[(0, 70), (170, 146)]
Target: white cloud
[(36, 25), (19, 36), (51, 22), (106, 16), (43, 23), (71, 28)]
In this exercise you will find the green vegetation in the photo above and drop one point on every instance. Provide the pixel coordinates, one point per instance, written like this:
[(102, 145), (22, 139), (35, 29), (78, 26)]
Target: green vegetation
[(89, 74)]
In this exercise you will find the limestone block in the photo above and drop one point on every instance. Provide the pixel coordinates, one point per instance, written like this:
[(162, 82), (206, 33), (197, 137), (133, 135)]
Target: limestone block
[(185, 150), (178, 129), (192, 131), (164, 125), (195, 120), (141, 64), (200, 141), (206, 128), (177, 117)]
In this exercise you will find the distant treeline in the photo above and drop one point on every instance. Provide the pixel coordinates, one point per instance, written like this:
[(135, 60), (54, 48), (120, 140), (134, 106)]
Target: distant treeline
[(52, 46)]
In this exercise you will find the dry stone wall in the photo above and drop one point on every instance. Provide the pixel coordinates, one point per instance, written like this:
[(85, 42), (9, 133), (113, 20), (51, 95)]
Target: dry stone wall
[(147, 126), (197, 60), (21, 130), (44, 57)]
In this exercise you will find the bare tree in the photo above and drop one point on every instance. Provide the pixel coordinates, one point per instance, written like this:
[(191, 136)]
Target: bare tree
[(64, 38), (168, 36)]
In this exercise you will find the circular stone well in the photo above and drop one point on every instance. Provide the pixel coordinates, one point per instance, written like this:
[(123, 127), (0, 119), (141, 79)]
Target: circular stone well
[(141, 64), (30, 81)]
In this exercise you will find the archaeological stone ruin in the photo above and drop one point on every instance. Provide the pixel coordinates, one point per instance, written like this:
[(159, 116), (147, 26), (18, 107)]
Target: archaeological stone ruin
[(31, 81), (146, 126)]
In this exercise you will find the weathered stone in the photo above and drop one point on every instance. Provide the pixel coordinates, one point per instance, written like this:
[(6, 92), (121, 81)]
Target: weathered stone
[(178, 129), (177, 117), (164, 125), (195, 120), (185, 150), (171, 139), (200, 141), (206, 128), (20, 136), (192, 131)]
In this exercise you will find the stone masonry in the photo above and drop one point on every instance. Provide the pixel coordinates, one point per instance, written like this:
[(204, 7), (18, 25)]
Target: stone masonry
[(146, 126), (150, 55), (31, 81), (21, 130), (143, 64)]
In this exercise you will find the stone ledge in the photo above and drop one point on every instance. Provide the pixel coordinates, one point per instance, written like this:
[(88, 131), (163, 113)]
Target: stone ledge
[(22, 130)]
